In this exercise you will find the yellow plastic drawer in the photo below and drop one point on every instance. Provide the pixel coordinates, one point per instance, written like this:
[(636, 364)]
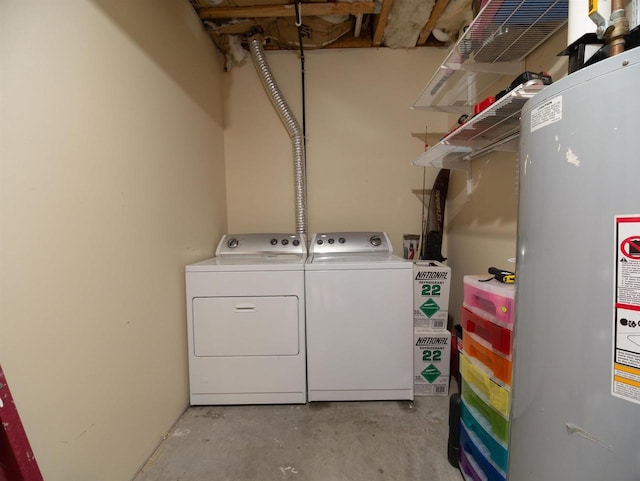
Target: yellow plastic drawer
[(499, 397)]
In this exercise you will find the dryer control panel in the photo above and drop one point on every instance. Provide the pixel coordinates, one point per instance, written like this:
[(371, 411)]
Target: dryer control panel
[(350, 243), (261, 244)]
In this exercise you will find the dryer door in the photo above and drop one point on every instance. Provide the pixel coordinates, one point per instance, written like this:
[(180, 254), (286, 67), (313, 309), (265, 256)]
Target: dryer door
[(245, 326)]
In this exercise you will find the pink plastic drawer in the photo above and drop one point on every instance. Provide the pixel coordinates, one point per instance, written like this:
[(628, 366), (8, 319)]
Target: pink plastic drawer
[(492, 298), (497, 336)]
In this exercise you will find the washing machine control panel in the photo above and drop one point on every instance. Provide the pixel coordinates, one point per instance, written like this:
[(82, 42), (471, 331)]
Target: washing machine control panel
[(350, 243), (261, 244)]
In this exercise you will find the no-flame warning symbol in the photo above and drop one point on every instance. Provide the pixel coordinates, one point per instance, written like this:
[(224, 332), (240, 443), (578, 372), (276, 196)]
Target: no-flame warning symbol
[(630, 247)]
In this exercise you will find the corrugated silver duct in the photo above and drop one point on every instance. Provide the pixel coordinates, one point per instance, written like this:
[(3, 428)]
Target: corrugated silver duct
[(293, 128)]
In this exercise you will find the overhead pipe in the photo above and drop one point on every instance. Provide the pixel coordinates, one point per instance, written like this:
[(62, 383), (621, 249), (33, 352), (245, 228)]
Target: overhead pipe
[(358, 27), (292, 126), (620, 23)]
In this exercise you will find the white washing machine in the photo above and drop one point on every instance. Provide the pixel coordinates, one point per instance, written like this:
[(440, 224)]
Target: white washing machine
[(359, 300), (246, 322)]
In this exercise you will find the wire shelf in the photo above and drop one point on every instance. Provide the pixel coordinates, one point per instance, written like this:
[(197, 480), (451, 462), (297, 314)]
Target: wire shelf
[(443, 156), (494, 45), (498, 125)]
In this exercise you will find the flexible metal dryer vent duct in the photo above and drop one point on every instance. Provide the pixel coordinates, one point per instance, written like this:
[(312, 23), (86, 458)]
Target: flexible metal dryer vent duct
[(293, 128)]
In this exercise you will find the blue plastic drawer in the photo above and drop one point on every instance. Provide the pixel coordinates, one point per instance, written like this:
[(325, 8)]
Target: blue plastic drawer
[(472, 447)]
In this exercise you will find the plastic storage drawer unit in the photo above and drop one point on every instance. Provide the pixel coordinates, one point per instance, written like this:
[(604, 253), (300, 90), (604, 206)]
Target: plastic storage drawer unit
[(481, 427), (497, 336), (499, 423), (473, 449), (469, 468), (492, 297), (498, 396), (499, 366)]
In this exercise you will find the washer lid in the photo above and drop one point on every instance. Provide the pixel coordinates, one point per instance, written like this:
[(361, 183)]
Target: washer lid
[(357, 262), (281, 262)]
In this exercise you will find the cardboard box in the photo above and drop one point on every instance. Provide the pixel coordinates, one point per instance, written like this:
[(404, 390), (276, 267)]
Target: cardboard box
[(431, 287), (432, 356), (317, 32)]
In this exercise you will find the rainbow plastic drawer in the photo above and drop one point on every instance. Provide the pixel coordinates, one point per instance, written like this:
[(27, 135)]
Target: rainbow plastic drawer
[(498, 396), (473, 449), (476, 424), (498, 422), (499, 366), (500, 338), (492, 298)]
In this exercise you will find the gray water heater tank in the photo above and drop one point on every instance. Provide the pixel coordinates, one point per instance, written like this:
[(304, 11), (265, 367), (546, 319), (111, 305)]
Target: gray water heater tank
[(578, 280)]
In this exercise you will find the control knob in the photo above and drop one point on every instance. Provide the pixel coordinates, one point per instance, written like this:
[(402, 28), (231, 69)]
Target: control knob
[(375, 241), (232, 243)]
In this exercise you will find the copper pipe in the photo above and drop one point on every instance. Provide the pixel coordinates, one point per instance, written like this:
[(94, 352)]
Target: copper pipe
[(620, 22), (617, 5)]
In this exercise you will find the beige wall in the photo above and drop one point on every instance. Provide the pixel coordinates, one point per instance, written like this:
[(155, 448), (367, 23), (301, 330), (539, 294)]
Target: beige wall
[(112, 177), (361, 139), (362, 136), (482, 228), (111, 180)]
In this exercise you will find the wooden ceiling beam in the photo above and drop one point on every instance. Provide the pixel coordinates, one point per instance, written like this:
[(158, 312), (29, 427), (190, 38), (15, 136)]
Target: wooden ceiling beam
[(436, 13), (268, 11), (344, 42), (381, 22)]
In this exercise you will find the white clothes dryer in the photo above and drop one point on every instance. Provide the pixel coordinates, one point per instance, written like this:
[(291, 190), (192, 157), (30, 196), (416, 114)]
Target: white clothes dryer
[(246, 322), (359, 301)]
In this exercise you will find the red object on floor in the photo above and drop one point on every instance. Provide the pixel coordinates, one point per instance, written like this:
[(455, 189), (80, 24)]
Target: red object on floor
[(17, 462)]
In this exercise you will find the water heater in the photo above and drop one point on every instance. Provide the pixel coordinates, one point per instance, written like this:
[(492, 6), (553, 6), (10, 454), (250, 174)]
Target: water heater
[(576, 381)]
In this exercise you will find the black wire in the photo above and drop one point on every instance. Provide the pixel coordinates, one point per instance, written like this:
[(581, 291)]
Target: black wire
[(304, 106), (423, 221)]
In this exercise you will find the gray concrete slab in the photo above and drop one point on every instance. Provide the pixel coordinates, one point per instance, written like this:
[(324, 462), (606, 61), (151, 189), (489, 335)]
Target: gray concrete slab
[(332, 441)]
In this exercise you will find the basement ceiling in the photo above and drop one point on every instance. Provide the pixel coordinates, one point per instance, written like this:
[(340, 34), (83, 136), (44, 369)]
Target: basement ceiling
[(333, 24)]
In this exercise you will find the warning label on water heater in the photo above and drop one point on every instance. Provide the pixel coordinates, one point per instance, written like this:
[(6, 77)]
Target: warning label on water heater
[(626, 326), (547, 113)]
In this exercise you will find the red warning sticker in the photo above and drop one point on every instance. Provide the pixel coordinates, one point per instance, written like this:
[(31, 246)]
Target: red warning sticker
[(626, 323)]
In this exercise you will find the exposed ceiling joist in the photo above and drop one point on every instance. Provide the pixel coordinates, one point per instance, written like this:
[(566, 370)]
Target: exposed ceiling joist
[(381, 23), (272, 11), (332, 23), (436, 13)]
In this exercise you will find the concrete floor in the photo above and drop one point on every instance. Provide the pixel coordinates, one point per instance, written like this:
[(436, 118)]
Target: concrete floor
[(321, 441)]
